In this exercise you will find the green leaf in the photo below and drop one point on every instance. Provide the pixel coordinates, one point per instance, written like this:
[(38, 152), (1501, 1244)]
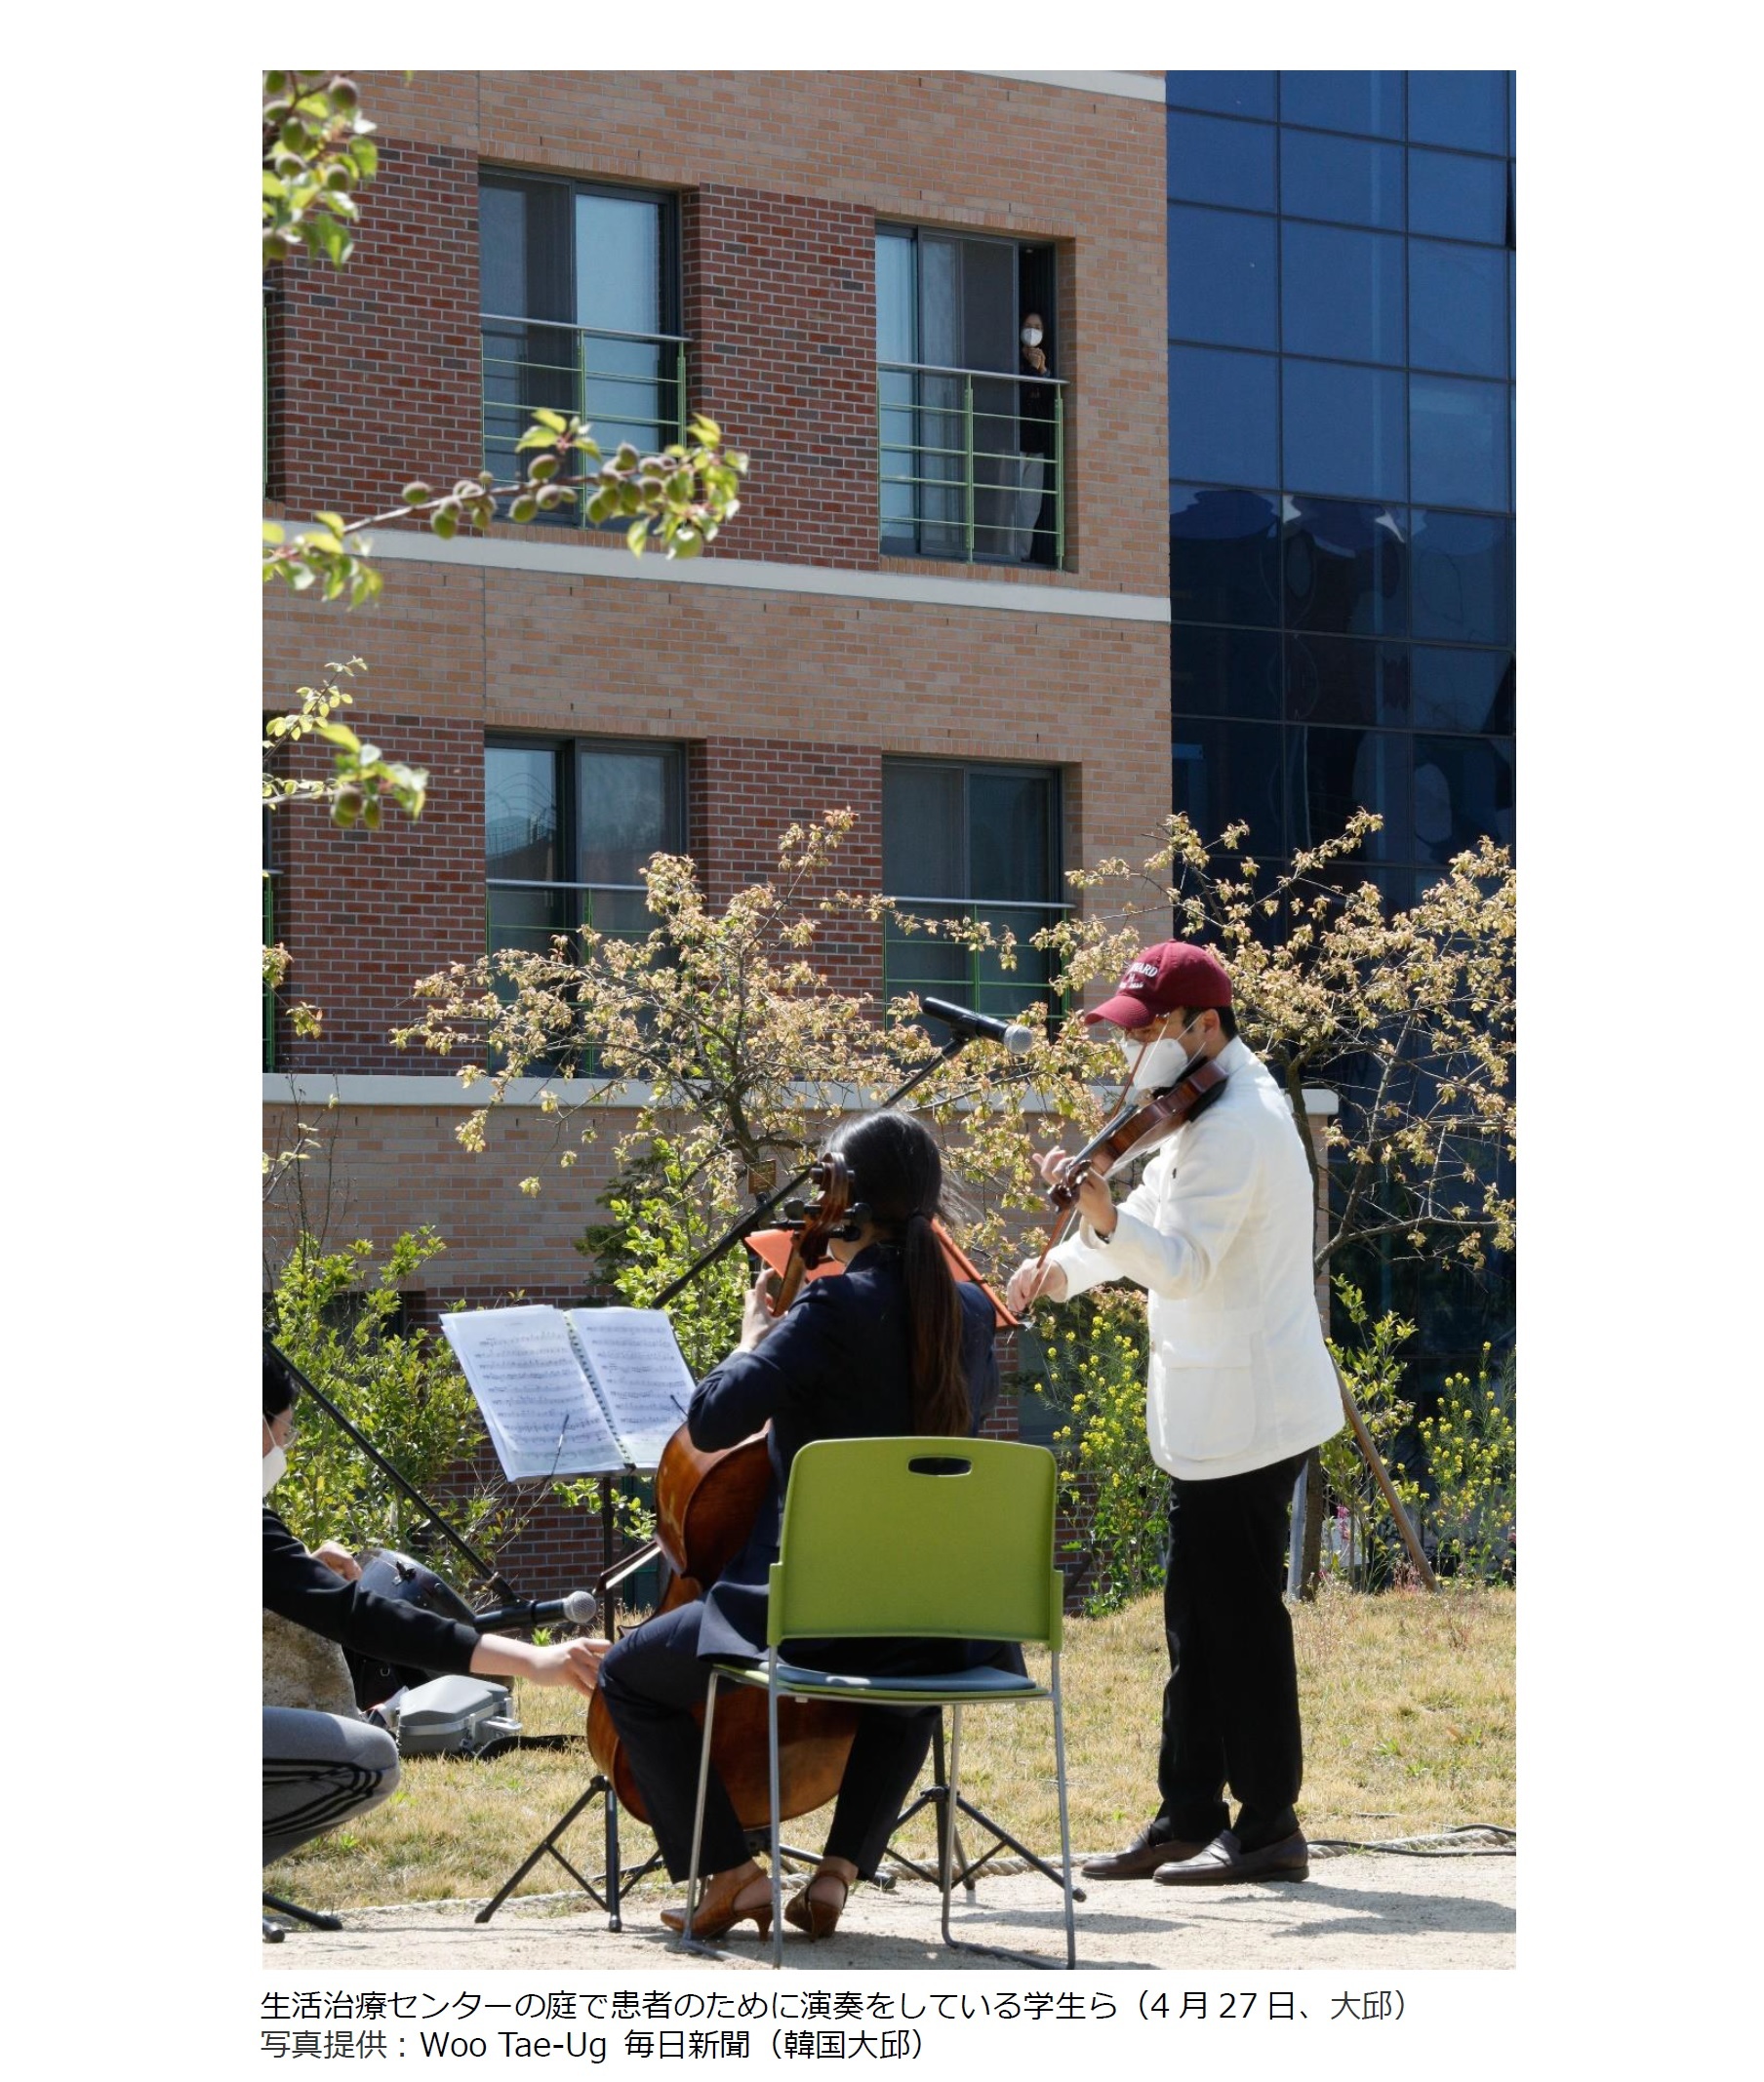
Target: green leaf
[(636, 536), (545, 416)]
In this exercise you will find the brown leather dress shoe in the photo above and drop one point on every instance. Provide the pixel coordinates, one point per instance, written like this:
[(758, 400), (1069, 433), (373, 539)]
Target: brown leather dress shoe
[(1141, 1857), (1224, 1862)]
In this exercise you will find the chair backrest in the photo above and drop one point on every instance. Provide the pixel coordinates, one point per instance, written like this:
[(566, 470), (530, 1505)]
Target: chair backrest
[(943, 1538)]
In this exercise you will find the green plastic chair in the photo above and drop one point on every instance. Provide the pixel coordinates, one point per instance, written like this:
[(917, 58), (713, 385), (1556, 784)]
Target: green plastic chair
[(929, 1538)]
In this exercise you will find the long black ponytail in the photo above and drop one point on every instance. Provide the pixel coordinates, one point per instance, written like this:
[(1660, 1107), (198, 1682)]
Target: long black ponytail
[(897, 1173)]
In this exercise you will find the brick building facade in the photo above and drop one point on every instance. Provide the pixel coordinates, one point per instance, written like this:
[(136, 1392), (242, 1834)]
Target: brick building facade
[(800, 655)]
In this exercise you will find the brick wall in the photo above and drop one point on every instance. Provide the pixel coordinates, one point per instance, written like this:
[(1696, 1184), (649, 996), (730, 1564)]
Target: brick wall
[(780, 302), (780, 175)]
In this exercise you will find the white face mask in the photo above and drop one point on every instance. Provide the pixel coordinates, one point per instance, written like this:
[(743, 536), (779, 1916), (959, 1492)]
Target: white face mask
[(1031, 335), (275, 1466), (1156, 1065)]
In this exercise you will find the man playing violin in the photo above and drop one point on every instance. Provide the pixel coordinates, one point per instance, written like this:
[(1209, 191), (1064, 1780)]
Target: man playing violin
[(1240, 1388)]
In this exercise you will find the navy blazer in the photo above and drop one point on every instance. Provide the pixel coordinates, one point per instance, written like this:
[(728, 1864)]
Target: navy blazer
[(837, 1366)]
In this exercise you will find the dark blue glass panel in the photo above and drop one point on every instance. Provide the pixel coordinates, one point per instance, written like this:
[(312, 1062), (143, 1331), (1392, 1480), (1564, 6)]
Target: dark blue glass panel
[(1458, 308), (1212, 160), (1337, 680), (1222, 416), (1462, 447), (1341, 293), (1463, 787), (1464, 578), (1346, 568), (1224, 673), (1222, 278), (1458, 198), (1335, 772), (1370, 102), (1227, 773), (1224, 556), (1463, 690), (1344, 431), (1231, 93), (1467, 109), (1349, 180)]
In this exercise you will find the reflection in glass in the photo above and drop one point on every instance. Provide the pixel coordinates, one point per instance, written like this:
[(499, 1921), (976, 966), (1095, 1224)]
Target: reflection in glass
[(626, 809), (1464, 578), (1211, 160), (924, 830), (1455, 197), (1224, 673), (1231, 93), (619, 262), (1349, 180), (1347, 568), (1226, 772), (1341, 293), (1335, 772), (1461, 438), (1009, 825), (520, 811), (1224, 556), (1458, 308), (1463, 690), (1463, 788), (1467, 109), (1222, 416), (1337, 680), (1344, 431), (1222, 278), (896, 298), (1369, 102)]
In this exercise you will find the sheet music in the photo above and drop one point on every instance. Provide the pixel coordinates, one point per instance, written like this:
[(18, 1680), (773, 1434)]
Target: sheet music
[(530, 1386), (636, 1364)]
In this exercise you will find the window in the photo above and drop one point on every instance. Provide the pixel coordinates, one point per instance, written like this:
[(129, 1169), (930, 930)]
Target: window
[(1458, 198), (971, 843), (1224, 414), (1349, 180), (1457, 308), (1342, 293), (1344, 431), (1211, 160), (972, 418), (1231, 93), (580, 313), (1371, 102), (1224, 556), (1462, 435), (1466, 109), (1221, 282), (568, 827)]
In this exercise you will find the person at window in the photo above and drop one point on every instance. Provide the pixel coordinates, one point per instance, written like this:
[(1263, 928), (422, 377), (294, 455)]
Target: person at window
[(1031, 335), (322, 1769), (894, 1346), (1219, 1234)]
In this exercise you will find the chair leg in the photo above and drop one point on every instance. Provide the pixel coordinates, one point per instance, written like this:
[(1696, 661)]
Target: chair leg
[(967, 1944), (1066, 1833), (947, 1835), (778, 1862), (698, 1819)]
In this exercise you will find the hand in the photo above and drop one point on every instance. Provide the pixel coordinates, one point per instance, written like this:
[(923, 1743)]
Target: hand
[(338, 1558), (1094, 1202), (757, 1320), (571, 1663), (1031, 1283)]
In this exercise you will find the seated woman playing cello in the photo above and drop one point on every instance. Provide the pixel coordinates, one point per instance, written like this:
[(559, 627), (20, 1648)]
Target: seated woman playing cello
[(897, 1346)]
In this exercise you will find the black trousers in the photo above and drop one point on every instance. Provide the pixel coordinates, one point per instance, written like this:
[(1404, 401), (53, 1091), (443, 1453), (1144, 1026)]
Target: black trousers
[(651, 1680), (1232, 1702)]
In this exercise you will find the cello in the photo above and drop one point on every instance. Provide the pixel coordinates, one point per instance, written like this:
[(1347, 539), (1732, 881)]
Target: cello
[(705, 1506)]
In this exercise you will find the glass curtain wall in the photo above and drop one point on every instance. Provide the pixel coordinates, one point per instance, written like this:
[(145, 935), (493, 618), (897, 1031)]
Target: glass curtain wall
[(1341, 329)]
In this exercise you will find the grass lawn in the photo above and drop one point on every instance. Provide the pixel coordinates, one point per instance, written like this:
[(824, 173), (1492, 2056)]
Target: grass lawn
[(1408, 1701)]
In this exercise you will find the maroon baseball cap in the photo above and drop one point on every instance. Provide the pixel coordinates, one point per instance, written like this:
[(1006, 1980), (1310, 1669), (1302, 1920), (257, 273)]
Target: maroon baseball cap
[(1170, 977)]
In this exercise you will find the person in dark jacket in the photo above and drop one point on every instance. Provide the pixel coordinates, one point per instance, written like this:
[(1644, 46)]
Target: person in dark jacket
[(321, 1769), (894, 1347)]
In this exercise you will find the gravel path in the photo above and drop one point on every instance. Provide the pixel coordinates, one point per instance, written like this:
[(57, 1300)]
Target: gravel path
[(1367, 1912)]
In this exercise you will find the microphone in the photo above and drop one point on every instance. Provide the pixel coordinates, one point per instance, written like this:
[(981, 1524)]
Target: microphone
[(976, 1026), (580, 1608)]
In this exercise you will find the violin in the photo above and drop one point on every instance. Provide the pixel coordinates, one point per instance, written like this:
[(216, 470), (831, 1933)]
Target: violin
[(705, 1507), (1131, 1133)]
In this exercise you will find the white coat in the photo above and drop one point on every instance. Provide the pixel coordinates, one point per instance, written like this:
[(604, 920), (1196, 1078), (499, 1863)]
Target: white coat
[(1219, 1232)]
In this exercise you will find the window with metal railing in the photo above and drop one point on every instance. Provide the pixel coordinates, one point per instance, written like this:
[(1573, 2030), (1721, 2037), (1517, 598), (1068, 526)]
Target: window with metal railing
[(967, 843), (580, 298), (568, 827), (972, 420)]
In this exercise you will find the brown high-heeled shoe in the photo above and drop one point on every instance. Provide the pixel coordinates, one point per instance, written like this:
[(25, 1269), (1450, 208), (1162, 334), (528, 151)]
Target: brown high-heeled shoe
[(742, 1907), (809, 1911)]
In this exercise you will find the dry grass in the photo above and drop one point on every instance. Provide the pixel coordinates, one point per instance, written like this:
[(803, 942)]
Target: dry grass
[(1408, 1704)]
